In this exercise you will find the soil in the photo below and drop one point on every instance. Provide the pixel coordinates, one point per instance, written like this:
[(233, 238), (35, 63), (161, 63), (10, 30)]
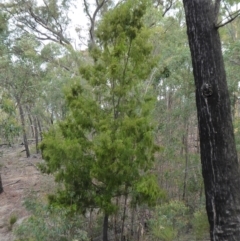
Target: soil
[(20, 176)]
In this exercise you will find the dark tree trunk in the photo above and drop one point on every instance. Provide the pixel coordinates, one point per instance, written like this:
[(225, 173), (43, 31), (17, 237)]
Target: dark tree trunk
[(105, 228), (1, 186), (218, 152)]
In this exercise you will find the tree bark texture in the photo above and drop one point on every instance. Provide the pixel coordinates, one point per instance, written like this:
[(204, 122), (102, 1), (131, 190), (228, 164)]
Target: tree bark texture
[(219, 160)]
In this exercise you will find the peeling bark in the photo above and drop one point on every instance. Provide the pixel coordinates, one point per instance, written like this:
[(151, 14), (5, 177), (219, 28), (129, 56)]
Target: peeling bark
[(219, 160)]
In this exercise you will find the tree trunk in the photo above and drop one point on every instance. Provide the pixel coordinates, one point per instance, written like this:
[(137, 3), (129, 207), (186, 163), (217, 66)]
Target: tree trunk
[(124, 216), (105, 228), (220, 168), (31, 122), (36, 132), (1, 186), (23, 129), (40, 128), (116, 221), (185, 146)]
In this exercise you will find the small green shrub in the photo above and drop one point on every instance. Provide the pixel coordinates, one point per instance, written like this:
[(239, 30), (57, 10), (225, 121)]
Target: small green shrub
[(13, 219), (50, 223), (169, 222), (200, 224)]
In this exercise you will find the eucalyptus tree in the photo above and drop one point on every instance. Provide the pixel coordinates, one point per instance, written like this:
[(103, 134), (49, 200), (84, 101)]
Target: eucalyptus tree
[(220, 167), (20, 75), (47, 19), (60, 69)]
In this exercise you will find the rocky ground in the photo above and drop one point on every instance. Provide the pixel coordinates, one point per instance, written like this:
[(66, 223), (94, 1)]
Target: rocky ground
[(20, 176)]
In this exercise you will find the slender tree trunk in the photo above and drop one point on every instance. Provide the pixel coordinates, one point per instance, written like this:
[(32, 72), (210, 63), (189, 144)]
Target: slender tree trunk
[(124, 217), (36, 132), (132, 223), (186, 163), (105, 228), (1, 185), (220, 168), (40, 128), (90, 233), (116, 221), (23, 128), (31, 122)]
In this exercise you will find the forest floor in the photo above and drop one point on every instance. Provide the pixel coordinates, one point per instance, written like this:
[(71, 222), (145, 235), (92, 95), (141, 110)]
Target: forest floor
[(20, 177)]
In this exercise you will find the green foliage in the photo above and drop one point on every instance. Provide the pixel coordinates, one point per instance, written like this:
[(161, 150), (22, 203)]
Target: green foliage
[(170, 221), (106, 144), (8, 123), (200, 224), (49, 223), (12, 220), (3, 23), (147, 191)]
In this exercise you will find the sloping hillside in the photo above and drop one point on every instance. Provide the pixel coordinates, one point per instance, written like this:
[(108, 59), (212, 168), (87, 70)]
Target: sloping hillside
[(20, 176)]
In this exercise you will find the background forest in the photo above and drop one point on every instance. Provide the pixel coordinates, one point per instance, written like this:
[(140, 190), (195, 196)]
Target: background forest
[(112, 111)]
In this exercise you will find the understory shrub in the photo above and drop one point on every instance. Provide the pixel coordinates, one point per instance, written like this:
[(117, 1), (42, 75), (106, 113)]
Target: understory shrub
[(50, 223), (170, 221)]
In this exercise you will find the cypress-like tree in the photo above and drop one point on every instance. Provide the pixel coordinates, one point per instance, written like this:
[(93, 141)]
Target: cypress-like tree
[(105, 148)]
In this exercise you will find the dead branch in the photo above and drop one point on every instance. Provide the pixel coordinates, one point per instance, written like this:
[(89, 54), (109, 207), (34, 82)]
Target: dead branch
[(93, 17), (168, 8), (11, 183), (228, 19)]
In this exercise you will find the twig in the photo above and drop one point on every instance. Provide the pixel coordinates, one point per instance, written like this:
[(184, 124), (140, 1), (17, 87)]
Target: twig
[(222, 23), (167, 8), (12, 183)]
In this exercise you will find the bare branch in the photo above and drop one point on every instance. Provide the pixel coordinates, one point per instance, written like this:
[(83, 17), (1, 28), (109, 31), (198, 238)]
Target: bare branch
[(11, 183), (228, 19), (93, 17), (37, 32), (87, 10), (168, 8), (58, 34)]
